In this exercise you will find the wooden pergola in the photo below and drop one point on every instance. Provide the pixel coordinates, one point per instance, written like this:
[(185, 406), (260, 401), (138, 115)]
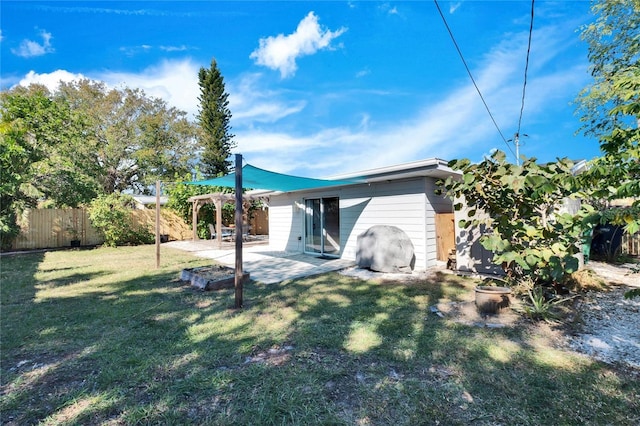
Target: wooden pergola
[(219, 199)]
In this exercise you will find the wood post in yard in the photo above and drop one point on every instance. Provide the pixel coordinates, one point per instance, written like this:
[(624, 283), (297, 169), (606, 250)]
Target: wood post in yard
[(157, 224), (218, 203), (239, 272), (194, 220)]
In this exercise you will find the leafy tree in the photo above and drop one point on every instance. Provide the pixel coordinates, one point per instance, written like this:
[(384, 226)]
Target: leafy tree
[(32, 128), (65, 148), (213, 118), (529, 235), (178, 194), (610, 108), (110, 215), (129, 140), (614, 49)]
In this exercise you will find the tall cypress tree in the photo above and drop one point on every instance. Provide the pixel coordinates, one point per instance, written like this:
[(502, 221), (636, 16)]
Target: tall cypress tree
[(213, 119)]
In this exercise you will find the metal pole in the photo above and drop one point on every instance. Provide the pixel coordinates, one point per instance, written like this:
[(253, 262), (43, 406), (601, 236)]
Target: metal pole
[(239, 272)]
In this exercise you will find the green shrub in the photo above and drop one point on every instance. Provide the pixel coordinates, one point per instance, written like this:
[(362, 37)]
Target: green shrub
[(9, 228), (111, 216), (528, 235)]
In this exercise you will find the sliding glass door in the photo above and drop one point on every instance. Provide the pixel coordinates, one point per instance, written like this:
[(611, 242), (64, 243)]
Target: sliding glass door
[(313, 226), (322, 226)]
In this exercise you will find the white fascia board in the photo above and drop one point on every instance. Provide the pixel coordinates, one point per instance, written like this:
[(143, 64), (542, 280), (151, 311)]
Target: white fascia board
[(434, 167)]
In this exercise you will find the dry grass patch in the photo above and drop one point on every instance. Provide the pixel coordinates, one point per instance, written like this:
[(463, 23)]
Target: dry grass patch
[(586, 280)]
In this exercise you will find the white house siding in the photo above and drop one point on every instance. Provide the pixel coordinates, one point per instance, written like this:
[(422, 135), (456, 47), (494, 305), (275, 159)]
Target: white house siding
[(408, 204), (470, 255), (286, 222)]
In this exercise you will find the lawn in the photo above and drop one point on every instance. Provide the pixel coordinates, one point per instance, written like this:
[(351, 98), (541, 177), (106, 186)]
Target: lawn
[(102, 337)]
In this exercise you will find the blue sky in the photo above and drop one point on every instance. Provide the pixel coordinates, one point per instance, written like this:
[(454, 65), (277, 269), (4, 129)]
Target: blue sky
[(327, 87)]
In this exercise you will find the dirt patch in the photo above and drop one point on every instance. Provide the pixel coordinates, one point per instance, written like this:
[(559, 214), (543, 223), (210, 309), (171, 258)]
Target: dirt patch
[(274, 356), (468, 314)]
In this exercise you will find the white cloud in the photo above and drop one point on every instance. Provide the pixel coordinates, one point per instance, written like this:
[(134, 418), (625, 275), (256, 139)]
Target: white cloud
[(389, 9), (250, 102), (363, 73), (146, 48), (30, 48), (135, 50), (50, 80), (274, 141), (280, 52), (180, 48), (176, 82), (454, 6)]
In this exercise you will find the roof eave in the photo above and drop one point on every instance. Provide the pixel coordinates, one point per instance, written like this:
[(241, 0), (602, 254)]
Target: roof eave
[(431, 167)]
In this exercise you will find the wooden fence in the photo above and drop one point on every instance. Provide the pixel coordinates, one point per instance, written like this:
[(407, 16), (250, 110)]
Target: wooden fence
[(51, 228), (260, 222), (170, 223), (631, 244)]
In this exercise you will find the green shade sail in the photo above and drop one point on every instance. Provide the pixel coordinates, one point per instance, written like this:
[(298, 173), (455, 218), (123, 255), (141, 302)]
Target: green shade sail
[(256, 178)]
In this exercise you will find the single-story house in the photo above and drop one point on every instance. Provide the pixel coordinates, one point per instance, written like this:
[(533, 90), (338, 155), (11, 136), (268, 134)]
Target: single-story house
[(327, 220)]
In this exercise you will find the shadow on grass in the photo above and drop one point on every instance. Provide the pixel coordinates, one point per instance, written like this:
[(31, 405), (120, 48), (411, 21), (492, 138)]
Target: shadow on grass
[(73, 279), (16, 275), (322, 350)]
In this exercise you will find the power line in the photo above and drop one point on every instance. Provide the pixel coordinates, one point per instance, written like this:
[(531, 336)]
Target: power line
[(526, 68), (516, 137), (471, 76)]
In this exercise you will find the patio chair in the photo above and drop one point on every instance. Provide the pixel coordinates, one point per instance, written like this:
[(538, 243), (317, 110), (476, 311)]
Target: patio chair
[(226, 232)]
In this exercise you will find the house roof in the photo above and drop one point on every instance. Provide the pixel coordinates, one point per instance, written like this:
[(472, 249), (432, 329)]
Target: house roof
[(430, 167)]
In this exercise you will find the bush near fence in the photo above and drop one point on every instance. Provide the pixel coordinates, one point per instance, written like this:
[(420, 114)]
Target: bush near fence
[(52, 228)]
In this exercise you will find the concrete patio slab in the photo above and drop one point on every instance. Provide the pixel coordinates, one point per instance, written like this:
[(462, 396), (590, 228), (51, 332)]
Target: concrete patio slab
[(265, 266)]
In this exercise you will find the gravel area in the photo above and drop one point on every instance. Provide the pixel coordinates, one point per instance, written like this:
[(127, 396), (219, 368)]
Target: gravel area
[(609, 324)]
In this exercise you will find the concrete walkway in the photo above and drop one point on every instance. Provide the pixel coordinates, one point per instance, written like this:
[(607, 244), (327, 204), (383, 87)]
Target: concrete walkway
[(265, 266)]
